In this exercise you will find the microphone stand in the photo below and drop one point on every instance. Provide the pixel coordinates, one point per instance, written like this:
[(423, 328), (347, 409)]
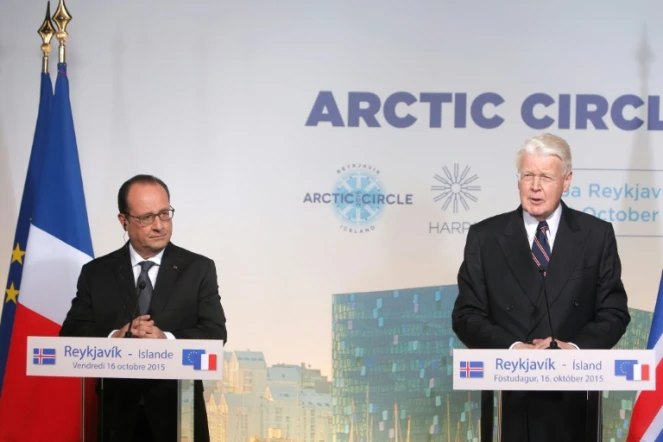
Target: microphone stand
[(553, 343), (139, 290)]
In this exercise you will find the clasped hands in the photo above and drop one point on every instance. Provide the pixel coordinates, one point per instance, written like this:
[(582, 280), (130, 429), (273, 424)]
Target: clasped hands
[(539, 344), (141, 327)]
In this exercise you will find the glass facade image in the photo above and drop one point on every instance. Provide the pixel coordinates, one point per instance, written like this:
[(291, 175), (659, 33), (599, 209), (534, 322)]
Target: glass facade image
[(392, 370)]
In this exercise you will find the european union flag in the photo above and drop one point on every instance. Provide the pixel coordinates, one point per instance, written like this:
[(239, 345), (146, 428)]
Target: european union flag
[(190, 356), (471, 369), (624, 367), (43, 356)]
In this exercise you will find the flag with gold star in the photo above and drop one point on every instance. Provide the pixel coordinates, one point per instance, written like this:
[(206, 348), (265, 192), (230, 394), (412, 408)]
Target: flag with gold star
[(34, 408), (35, 166)]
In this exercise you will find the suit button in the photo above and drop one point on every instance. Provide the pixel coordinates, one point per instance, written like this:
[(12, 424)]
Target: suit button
[(509, 307), (576, 304)]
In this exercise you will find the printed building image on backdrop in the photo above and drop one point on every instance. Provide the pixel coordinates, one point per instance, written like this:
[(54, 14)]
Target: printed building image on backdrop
[(392, 380), (260, 402), (393, 370)]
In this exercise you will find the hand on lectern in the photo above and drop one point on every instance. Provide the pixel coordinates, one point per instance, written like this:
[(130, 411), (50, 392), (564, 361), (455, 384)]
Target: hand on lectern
[(545, 343), (139, 327), (153, 332)]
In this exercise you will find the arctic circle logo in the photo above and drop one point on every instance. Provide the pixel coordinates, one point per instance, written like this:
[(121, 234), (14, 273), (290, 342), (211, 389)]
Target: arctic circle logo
[(359, 198)]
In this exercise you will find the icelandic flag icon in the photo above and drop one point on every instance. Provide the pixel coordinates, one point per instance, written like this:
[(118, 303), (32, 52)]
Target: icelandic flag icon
[(43, 356), (471, 369)]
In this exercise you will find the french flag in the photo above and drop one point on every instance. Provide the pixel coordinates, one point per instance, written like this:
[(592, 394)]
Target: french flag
[(205, 362), (58, 244), (647, 420), (640, 372)]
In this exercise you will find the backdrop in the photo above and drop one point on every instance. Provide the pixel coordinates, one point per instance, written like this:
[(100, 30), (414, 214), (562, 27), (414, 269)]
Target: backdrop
[(315, 149)]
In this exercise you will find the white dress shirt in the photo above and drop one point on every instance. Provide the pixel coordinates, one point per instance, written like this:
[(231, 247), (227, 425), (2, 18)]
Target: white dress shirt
[(532, 223), (136, 259)]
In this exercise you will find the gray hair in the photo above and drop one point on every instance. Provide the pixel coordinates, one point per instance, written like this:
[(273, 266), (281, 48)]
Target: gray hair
[(547, 145)]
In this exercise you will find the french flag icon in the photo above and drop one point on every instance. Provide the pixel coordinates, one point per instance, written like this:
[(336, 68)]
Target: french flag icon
[(205, 362), (640, 372)]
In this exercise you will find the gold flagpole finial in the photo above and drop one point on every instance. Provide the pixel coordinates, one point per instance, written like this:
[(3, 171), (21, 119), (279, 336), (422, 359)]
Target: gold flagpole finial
[(62, 19), (46, 31)]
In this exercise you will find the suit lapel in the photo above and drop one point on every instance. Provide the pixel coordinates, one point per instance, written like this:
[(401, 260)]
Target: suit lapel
[(165, 284), (567, 248), (518, 255), (124, 276)]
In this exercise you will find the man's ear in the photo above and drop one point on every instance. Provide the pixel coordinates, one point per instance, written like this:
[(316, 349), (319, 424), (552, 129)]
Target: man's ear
[(121, 218)]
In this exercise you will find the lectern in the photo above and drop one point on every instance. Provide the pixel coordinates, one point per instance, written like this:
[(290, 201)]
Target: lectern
[(183, 360), (593, 371)]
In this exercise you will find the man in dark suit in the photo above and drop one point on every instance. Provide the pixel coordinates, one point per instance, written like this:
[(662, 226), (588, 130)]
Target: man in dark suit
[(508, 258), (180, 300)]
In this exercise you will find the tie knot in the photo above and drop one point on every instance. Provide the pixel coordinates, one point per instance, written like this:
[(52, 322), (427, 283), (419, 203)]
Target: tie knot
[(146, 265), (543, 226)]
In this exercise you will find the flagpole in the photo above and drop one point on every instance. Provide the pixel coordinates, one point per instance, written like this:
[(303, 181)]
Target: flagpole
[(46, 31), (62, 19)]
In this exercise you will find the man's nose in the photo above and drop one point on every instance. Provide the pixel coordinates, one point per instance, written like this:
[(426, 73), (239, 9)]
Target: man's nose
[(158, 224), (536, 183)]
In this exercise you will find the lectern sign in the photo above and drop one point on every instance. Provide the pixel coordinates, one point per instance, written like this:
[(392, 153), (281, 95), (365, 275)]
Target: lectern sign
[(617, 370), (125, 358)]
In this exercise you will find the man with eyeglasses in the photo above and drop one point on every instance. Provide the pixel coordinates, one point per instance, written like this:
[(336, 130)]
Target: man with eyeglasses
[(179, 299), (510, 258)]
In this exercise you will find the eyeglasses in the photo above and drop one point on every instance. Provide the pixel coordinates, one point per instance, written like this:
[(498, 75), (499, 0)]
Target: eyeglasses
[(543, 179), (148, 220)]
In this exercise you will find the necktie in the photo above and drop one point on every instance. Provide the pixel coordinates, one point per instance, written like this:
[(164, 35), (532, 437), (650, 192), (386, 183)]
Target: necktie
[(540, 247), (146, 293)]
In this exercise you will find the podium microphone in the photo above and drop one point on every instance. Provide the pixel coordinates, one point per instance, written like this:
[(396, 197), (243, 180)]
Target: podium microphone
[(139, 290), (553, 344)]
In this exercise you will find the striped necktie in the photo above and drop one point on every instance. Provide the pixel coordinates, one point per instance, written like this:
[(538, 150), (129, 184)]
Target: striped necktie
[(541, 248)]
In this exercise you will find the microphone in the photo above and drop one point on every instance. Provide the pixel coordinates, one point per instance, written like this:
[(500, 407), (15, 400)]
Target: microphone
[(553, 344), (139, 290)]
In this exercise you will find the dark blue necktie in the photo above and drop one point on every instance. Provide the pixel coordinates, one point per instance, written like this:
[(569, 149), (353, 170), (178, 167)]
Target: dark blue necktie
[(540, 247)]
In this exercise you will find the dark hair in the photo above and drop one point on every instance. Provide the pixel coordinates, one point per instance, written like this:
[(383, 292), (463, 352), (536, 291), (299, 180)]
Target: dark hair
[(122, 204)]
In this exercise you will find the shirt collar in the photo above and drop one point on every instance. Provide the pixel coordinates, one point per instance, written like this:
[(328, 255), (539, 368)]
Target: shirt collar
[(552, 220), (136, 258)]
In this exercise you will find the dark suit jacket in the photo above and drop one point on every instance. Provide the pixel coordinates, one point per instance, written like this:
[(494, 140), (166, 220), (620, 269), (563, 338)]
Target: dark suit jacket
[(500, 302), (185, 302)]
